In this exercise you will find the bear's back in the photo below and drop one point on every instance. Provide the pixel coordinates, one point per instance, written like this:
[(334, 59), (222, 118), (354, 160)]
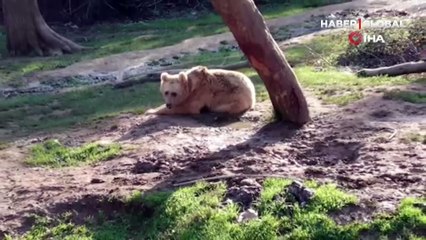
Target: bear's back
[(226, 80)]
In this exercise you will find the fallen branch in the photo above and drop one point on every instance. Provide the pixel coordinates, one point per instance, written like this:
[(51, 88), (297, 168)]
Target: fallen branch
[(393, 134), (395, 70), (154, 76), (222, 177)]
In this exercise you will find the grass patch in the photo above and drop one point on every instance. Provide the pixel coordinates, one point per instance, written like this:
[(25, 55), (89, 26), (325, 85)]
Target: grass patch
[(406, 96), (223, 56), (408, 223), (323, 50), (340, 87), (331, 85), (63, 229), (4, 145), (28, 114), (197, 212), (52, 153), (415, 137)]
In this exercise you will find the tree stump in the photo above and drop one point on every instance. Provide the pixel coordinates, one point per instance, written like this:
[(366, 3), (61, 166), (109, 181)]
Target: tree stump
[(28, 32)]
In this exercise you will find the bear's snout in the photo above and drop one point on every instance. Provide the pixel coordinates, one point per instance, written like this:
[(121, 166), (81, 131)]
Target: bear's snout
[(168, 105)]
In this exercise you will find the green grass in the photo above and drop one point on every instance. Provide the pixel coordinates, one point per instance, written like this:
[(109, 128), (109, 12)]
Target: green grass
[(28, 114), (198, 212), (406, 224), (341, 87), (331, 85), (54, 154), (407, 96), (414, 137), (118, 38), (323, 50), (222, 57)]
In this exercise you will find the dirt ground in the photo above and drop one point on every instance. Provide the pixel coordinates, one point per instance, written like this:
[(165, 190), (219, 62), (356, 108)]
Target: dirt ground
[(358, 146)]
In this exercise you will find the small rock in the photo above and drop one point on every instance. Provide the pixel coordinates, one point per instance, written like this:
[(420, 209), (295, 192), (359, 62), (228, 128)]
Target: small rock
[(302, 194), (228, 202), (121, 180), (420, 205), (252, 169), (242, 196), (165, 64), (245, 192), (387, 206), (247, 215), (381, 113), (250, 182), (314, 171), (145, 167), (96, 181)]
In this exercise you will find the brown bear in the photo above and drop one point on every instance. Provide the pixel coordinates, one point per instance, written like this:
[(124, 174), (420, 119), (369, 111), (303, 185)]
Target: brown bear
[(217, 90)]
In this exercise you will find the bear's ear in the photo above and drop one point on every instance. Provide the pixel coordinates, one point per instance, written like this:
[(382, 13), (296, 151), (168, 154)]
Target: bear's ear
[(202, 69), (164, 76), (183, 77), (186, 81)]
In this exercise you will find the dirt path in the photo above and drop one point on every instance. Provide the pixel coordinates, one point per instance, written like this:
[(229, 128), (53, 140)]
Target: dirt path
[(116, 64), (355, 146)]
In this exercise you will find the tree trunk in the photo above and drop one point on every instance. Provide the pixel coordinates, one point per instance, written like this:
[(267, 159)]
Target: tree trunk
[(395, 70), (249, 29), (27, 32)]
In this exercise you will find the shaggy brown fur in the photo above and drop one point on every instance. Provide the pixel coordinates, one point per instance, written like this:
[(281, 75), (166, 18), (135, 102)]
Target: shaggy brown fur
[(218, 90)]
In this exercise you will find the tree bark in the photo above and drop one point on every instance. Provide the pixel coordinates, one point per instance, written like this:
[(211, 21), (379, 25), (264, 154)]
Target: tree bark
[(27, 31), (249, 29), (395, 70)]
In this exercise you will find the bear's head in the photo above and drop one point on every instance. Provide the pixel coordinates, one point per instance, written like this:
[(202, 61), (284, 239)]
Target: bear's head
[(174, 88)]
